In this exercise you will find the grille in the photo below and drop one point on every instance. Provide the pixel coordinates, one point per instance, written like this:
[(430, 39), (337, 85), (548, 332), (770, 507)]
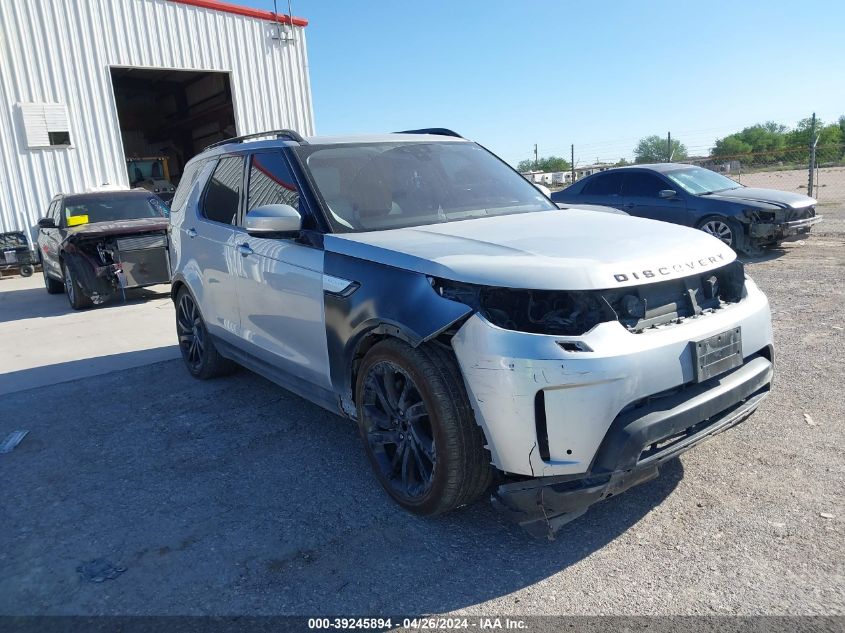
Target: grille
[(141, 242), (642, 307), (800, 214)]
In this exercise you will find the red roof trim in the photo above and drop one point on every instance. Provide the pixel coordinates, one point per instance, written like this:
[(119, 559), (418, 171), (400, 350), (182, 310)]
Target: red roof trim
[(216, 5)]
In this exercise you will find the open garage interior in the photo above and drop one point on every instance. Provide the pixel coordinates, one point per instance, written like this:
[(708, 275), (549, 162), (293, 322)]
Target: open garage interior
[(166, 117)]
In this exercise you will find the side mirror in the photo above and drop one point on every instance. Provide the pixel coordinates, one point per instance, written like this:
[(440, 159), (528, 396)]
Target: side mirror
[(46, 223), (668, 193), (270, 219)]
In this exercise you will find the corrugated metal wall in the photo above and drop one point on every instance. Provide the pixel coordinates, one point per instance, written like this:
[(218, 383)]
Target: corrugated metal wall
[(60, 51)]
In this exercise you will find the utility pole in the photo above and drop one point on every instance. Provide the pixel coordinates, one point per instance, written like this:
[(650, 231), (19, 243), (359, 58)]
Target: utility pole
[(572, 161), (669, 147), (536, 160), (813, 140)]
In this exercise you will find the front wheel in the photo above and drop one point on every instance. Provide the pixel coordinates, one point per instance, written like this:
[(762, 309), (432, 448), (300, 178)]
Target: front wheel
[(725, 229), (73, 290), (27, 270), (418, 428)]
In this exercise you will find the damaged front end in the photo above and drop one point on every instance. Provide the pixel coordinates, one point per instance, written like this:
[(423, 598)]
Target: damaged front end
[(573, 313), (641, 438), (773, 226), (587, 411), (104, 265)]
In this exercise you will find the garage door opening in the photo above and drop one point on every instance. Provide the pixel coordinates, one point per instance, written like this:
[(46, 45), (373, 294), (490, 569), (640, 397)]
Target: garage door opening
[(166, 117)]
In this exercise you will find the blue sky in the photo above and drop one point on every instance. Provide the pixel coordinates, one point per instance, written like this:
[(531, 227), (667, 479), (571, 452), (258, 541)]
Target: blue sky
[(597, 74)]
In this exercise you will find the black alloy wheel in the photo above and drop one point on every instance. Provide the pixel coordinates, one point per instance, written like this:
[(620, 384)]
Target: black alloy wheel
[(191, 333), (398, 430)]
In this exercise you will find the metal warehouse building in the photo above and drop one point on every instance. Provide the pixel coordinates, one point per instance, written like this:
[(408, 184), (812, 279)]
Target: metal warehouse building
[(91, 89)]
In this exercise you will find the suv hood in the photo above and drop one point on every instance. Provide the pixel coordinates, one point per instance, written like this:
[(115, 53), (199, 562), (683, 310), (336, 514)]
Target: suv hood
[(568, 249), (783, 199)]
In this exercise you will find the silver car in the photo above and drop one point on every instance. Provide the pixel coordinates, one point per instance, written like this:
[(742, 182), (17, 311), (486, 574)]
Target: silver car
[(482, 338)]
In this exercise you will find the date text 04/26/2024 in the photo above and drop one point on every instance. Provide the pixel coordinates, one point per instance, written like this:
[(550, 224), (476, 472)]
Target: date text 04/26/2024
[(417, 624)]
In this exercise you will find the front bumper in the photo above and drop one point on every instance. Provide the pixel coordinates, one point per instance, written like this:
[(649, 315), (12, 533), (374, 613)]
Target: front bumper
[(784, 231), (552, 406), (636, 444)]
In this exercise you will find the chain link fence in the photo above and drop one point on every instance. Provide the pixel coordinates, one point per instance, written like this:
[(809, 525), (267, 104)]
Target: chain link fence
[(788, 169)]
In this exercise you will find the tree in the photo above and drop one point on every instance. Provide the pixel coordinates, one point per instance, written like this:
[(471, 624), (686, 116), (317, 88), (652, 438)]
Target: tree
[(546, 165), (763, 137), (731, 146), (653, 149), (829, 137)]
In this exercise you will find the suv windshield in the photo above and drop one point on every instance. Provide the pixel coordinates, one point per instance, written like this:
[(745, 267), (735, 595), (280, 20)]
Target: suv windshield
[(99, 208), (375, 186), (698, 181)]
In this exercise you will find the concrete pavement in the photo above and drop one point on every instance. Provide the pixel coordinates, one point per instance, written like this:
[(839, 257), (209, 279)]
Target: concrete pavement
[(44, 342)]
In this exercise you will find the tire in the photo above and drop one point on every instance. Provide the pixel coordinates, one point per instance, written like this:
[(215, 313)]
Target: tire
[(54, 286), (27, 270), (76, 299), (418, 428), (725, 229), (196, 345)]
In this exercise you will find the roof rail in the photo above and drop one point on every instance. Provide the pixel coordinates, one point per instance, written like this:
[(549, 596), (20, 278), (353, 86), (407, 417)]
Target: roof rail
[(288, 134), (439, 131)]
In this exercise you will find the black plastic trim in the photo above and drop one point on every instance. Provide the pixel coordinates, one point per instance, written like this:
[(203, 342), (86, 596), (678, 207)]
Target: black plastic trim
[(541, 426)]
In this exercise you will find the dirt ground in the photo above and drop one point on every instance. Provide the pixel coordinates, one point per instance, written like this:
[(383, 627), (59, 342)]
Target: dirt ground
[(234, 497)]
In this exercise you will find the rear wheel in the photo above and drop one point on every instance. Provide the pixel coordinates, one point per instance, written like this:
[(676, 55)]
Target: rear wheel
[(77, 300), (27, 270), (418, 428), (54, 286), (198, 351)]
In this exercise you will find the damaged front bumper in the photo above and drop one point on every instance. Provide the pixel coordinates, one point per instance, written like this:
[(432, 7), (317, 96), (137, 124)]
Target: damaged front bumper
[(103, 266), (570, 420), (635, 446), (766, 232)]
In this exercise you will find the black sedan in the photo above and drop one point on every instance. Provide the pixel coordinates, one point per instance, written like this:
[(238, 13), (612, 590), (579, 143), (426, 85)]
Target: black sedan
[(745, 218)]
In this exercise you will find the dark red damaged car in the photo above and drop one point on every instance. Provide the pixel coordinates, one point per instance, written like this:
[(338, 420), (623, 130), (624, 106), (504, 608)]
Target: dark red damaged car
[(95, 245)]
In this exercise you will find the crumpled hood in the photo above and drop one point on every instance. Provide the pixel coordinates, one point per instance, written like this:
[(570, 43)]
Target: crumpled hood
[(567, 249), (783, 199), (117, 227)]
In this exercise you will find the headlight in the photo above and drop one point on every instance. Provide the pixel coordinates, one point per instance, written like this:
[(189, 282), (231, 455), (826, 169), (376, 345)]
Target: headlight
[(555, 312)]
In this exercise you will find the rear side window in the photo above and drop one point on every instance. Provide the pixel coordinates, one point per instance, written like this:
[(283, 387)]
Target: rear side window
[(222, 194), (604, 185), (189, 177), (271, 182), (643, 185)]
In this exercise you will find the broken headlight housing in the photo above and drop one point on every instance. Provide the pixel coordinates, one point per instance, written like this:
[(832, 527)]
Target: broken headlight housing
[(555, 312), (576, 312)]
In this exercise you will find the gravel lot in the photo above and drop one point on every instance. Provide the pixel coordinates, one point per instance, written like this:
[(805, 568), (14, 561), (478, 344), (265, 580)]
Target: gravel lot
[(235, 497)]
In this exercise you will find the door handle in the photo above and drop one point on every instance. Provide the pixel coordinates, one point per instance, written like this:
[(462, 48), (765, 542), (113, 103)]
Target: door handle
[(192, 233), (244, 250)]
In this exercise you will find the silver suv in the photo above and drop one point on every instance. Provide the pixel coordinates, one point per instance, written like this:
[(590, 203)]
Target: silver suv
[(480, 336)]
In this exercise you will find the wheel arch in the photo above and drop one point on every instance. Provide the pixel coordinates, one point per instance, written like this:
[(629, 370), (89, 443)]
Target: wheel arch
[(386, 302)]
